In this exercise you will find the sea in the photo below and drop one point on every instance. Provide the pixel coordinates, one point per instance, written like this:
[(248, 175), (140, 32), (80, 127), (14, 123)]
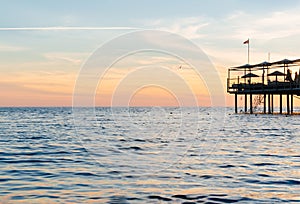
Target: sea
[(148, 155)]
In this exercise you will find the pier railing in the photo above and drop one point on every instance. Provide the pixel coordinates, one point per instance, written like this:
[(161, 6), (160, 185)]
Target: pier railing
[(235, 86)]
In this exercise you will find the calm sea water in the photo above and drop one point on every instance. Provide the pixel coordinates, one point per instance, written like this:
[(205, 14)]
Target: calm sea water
[(147, 155)]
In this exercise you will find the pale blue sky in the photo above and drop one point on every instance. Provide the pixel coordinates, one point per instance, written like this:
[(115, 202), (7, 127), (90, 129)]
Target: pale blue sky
[(213, 22), (32, 13)]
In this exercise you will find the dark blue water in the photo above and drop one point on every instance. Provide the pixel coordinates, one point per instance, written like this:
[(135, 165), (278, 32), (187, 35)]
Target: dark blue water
[(147, 155)]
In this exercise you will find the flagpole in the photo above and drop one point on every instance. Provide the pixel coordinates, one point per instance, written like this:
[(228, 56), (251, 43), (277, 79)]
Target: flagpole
[(247, 42), (248, 51)]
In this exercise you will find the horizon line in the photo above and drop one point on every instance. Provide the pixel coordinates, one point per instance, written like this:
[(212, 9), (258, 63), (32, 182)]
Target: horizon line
[(114, 106)]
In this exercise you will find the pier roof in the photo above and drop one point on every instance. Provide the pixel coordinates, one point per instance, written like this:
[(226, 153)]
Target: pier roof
[(263, 65)]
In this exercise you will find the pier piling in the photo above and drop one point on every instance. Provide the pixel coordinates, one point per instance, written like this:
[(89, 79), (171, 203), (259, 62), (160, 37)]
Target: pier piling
[(235, 102), (269, 103), (251, 104), (292, 103), (280, 103), (288, 104), (272, 108), (265, 98), (245, 103)]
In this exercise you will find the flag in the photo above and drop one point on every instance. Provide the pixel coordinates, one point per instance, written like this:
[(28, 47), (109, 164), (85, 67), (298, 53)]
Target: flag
[(246, 42)]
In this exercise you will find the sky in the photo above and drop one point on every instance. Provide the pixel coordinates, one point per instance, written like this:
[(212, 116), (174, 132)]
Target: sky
[(45, 45)]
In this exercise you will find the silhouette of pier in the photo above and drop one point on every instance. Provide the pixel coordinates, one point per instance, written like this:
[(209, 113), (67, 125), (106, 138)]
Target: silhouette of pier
[(266, 80)]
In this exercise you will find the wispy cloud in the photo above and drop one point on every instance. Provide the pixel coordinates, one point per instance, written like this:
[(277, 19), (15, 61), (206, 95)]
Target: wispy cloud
[(11, 48), (189, 27), (272, 25), (237, 25), (64, 28), (74, 58), (275, 32)]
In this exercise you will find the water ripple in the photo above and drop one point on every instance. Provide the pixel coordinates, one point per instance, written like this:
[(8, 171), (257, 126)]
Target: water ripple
[(122, 158)]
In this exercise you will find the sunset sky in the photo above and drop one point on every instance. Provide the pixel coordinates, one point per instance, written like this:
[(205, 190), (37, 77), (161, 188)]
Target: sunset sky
[(44, 44)]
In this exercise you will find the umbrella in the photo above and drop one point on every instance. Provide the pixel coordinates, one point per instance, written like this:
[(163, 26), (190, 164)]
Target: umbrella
[(296, 61), (249, 75), (263, 64), (285, 61), (276, 73), (244, 66)]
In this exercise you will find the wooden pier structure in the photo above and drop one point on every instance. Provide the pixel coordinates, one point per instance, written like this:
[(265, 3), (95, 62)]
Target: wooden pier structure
[(265, 81)]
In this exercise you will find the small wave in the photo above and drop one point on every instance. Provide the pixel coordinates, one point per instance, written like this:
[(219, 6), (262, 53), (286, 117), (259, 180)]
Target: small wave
[(95, 198), (285, 182), (217, 195), (115, 172), (136, 148), (37, 188), (84, 174), (139, 140), (263, 175), (226, 166), (159, 198), (35, 161), (6, 179), (223, 200), (206, 176), (121, 199), (47, 196), (186, 197), (17, 197), (264, 164)]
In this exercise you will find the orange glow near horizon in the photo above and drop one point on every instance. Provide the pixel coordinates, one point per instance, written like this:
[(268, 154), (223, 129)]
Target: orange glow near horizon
[(57, 90), (45, 84), (36, 89), (163, 87), (153, 96)]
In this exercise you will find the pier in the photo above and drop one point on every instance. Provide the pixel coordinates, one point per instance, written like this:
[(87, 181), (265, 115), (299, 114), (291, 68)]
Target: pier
[(260, 84)]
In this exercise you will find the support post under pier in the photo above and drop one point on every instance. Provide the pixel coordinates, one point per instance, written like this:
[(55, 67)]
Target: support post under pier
[(288, 104), (245, 103), (272, 110), (269, 104), (235, 103), (265, 98), (292, 103), (251, 108), (280, 103)]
